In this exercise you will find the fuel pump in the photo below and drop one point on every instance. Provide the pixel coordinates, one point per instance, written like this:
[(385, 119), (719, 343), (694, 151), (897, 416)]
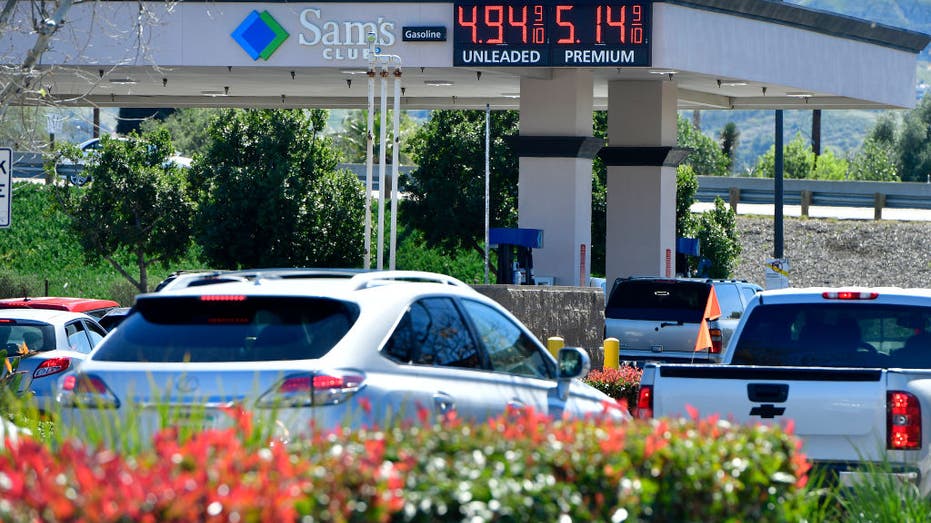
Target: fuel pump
[(514, 247)]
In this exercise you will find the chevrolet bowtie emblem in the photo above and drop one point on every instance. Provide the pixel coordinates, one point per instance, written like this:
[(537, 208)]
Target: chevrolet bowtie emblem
[(767, 411)]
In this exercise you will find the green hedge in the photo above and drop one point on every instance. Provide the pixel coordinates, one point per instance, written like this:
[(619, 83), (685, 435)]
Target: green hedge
[(622, 383), (518, 467)]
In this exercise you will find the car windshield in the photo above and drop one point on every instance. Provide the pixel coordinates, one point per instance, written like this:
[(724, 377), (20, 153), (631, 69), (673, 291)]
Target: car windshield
[(228, 329), (836, 335), (661, 300)]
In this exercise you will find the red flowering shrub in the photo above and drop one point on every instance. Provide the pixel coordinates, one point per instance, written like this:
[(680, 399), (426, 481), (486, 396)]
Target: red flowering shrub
[(622, 383), (521, 466)]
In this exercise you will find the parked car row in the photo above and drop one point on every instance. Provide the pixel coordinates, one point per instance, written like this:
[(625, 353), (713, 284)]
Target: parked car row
[(328, 347)]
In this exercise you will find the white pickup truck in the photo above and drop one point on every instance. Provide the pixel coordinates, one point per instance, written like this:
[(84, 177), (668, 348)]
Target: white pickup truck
[(851, 369)]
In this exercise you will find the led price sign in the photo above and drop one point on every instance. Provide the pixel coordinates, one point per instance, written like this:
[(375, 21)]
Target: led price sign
[(538, 33)]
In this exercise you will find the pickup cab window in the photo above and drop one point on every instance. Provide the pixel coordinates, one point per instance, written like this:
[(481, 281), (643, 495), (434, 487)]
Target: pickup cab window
[(667, 300), (836, 335)]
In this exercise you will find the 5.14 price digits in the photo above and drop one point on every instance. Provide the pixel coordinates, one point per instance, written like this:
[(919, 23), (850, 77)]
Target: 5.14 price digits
[(596, 22), (520, 23)]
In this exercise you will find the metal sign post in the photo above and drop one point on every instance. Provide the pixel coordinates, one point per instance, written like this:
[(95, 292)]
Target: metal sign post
[(6, 192)]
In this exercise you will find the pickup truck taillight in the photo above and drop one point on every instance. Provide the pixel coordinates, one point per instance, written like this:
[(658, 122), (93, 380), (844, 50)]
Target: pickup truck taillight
[(645, 402), (903, 421), (716, 340)]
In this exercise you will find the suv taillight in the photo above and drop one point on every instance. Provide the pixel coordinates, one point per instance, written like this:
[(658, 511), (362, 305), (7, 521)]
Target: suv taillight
[(86, 391), (716, 340), (645, 402), (51, 366), (312, 389), (903, 421)]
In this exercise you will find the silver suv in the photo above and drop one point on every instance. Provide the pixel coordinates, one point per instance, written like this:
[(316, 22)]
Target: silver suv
[(659, 319), (322, 347)]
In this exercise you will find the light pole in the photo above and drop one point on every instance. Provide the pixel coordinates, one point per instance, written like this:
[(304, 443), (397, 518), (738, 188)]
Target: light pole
[(386, 61)]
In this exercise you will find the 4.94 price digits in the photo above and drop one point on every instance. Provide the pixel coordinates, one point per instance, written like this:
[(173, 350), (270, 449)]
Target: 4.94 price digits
[(565, 24), (498, 27)]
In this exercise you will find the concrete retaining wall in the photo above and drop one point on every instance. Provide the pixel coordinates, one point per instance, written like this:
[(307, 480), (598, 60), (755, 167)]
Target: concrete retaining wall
[(576, 314)]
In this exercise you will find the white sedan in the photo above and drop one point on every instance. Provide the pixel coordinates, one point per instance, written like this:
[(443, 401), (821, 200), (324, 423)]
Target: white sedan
[(323, 347)]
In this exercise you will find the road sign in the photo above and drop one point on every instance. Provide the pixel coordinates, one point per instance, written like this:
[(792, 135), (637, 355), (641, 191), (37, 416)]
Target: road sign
[(777, 273), (6, 188)]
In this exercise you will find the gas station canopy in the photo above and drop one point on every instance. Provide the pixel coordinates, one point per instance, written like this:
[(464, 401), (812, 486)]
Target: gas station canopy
[(722, 54)]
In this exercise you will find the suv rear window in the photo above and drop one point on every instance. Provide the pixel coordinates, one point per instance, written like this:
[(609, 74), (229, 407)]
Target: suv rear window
[(836, 335), (665, 300), (189, 329)]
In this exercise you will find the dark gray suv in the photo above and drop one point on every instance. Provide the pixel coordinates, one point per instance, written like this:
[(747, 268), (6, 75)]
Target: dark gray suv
[(659, 319)]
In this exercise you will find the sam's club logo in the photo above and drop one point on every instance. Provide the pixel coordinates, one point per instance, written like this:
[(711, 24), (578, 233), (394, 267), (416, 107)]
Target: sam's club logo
[(260, 35)]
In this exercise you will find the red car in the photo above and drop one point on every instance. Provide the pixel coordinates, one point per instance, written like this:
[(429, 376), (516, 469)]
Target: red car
[(93, 307)]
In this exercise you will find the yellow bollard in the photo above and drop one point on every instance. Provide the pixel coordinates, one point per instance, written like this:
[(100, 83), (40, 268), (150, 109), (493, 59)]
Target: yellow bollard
[(612, 353), (553, 344)]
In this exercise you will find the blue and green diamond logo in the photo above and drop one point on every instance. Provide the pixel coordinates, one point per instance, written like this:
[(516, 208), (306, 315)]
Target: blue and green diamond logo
[(260, 35)]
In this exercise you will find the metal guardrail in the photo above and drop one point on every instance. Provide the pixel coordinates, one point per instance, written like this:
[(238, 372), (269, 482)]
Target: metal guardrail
[(878, 195), (734, 190)]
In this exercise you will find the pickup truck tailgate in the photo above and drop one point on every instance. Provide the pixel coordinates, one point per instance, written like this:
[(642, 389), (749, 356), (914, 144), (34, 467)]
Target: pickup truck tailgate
[(833, 427)]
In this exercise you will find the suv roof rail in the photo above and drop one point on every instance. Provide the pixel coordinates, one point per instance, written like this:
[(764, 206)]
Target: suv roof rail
[(196, 279), (370, 279), (293, 273)]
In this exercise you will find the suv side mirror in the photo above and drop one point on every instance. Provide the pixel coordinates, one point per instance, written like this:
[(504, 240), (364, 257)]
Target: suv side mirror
[(572, 363)]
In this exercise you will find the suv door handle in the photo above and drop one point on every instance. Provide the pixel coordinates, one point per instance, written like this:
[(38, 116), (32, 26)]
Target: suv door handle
[(443, 403)]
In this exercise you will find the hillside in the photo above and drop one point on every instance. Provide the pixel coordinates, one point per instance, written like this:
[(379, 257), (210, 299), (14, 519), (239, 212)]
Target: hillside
[(842, 131), (839, 252)]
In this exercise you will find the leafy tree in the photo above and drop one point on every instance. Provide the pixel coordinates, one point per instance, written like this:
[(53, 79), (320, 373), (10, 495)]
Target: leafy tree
[(352, 141), (706, 157), (599, 198), (874, 162), (914, 143), (135, 205), (829, 167), (263, 193), (884, 131), (686, 188), (730, 138), (719, 240), (188, 128), (715, 229), (798, 160), (336, 231), (446, 193)]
